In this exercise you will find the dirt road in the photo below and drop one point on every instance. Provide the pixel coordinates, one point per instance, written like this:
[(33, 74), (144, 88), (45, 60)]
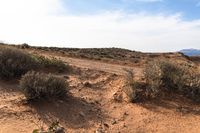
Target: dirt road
[(100, 66)]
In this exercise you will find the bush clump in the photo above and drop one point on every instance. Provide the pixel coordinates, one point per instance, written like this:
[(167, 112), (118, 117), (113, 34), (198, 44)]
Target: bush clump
[(14, 63), (164, 76), (53, 63), (161, 75), (37, 85), (191, 85), (137, 92), (24, 46)]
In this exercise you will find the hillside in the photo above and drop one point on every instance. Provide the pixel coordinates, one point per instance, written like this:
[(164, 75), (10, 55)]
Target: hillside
[(96, 101)]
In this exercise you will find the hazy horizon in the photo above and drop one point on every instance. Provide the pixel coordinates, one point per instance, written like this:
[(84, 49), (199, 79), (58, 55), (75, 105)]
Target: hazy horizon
[(141, 25)]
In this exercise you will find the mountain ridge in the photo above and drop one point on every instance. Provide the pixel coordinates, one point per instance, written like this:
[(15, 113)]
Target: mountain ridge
[(191, 52)]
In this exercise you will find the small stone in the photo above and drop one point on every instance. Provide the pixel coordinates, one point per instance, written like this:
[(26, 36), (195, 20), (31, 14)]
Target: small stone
[(66, 77), (114, 107), (125, 113), (82, 114), (114, 122), (61, 101), (106, 125), (124, 125), (100, 129), (97, 102), (60, 130), (117, 97), (87, 84)]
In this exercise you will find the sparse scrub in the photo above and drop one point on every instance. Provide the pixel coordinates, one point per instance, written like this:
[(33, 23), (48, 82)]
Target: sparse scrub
[(138, 92), (24, 46), (161, 76), (134, 90), (53, 63), (36, 85), (168, 76), (191, 85), (14, 63)]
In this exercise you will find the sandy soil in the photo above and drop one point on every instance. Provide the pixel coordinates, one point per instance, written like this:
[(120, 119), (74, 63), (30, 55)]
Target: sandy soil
[(95, 104)]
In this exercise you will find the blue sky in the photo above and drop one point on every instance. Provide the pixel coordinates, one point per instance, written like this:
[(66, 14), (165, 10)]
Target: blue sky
[(143, 25), (190, 9)]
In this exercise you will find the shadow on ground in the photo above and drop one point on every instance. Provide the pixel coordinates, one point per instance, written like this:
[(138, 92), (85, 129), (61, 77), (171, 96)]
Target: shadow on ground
[(173, 102), (72, 112), (9, 86)]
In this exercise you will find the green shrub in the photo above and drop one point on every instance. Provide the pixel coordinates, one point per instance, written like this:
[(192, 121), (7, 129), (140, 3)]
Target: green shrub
[(14, 63), (36, 85)]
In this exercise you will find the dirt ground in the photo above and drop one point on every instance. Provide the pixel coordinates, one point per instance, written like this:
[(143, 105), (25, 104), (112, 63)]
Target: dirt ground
[(95, 104)]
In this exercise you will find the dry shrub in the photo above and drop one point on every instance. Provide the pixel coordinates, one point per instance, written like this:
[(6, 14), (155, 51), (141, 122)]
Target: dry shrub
[(134, 90), (24, 46), (14, 63), (36, 85), (161, 75), (170, 76), (53, 63), (139, 91), (128, 89), (191, 85)]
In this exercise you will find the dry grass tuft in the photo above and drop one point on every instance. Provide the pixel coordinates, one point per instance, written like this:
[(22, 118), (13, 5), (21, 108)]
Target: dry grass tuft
[(36, 85)]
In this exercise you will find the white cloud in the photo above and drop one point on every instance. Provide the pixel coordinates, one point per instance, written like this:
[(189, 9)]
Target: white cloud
[(34, 23), (25, 8)]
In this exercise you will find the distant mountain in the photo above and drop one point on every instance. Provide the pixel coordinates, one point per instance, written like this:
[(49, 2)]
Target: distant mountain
[(191, 52)]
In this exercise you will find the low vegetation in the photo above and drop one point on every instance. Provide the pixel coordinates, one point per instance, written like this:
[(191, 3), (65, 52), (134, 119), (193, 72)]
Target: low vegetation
[(165, 76), (138, 90), (14, 63), (37, 85), (55, 127), (161, 75), (53, 63), (24, 46)]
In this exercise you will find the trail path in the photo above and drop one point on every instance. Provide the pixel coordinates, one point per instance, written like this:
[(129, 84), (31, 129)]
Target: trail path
[(100, 66)]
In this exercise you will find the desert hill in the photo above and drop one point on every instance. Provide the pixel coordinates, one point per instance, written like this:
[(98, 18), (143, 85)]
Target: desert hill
[(96, 101)]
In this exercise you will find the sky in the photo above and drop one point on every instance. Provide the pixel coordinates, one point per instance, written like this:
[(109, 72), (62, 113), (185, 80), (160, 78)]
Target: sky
[(142, 25)]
